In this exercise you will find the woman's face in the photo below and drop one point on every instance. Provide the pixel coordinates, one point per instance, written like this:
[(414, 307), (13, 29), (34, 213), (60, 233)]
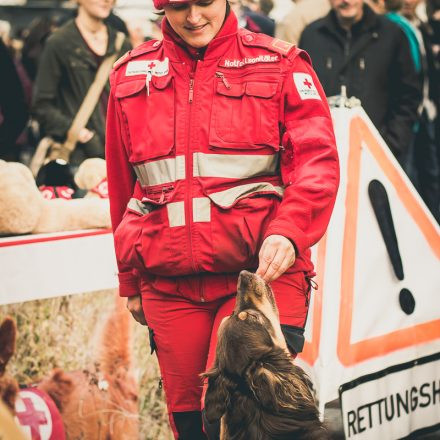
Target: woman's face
[(99, 9), (197, 22)]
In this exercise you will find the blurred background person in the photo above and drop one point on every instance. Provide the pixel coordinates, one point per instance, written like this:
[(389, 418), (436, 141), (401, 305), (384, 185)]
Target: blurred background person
[(302, 13), (252, 19), (352, 46), (13, 108), (423, 165), (68, 65)]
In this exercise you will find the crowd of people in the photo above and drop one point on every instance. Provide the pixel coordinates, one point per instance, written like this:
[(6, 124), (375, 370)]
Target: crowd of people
[(385, 52)]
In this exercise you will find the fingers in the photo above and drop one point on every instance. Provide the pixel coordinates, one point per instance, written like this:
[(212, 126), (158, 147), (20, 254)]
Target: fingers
[(277, 254), (134, 305), (85, 135)]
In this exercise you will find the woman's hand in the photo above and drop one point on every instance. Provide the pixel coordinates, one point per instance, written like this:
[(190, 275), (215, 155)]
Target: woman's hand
[(276, 255), (134, 305)]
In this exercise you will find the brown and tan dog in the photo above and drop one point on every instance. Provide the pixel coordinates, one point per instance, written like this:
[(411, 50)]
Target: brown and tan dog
[(254, 387), (99, 403)]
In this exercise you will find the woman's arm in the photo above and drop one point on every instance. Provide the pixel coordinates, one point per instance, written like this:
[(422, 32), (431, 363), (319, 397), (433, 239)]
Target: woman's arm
[(309, 168)]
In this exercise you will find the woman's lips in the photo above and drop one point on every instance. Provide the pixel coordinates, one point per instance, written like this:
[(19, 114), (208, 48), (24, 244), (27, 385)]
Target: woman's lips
[(196, 29)]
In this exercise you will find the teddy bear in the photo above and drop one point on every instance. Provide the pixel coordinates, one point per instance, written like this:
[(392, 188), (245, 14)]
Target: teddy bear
[(92, 177), (24, 210)]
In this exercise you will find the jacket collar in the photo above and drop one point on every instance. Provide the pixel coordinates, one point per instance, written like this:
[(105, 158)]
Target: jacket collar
[(219, 45), (368, 22)]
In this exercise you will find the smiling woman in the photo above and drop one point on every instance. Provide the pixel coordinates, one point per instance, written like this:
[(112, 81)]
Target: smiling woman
[(197, 23), (220, 157)]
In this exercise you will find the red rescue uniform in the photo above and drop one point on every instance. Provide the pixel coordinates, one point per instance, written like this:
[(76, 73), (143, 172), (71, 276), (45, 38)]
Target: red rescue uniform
[(208, 153)]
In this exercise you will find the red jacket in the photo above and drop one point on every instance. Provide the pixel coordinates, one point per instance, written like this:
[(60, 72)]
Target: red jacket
[(209, 153)]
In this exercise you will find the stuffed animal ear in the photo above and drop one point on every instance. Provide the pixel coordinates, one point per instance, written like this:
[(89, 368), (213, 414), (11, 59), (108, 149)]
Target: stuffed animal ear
[(8, 332), (217, 396)]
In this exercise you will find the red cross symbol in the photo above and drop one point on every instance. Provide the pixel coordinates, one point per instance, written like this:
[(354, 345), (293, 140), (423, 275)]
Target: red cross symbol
[(152, 65), (32, 418), (307, 83)]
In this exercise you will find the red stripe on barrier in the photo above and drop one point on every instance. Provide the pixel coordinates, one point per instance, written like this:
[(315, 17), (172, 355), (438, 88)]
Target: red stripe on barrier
[(55, 238)]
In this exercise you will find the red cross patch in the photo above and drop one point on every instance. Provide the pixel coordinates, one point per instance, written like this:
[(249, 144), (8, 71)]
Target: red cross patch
[(38, 416), (305, 86)]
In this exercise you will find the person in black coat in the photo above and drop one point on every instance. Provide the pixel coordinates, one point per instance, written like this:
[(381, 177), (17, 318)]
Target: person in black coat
[(13, 108), (354, 47)]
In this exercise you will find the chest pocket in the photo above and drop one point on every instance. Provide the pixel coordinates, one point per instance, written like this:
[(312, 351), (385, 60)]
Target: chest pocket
[(148, 118), (244, 115)]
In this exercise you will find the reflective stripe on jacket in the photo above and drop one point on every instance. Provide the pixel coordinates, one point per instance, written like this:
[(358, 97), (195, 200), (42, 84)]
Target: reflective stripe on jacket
[(206, 157)]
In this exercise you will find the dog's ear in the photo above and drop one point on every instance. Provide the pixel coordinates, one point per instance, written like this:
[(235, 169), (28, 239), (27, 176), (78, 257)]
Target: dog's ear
[(217, 395), (264, 383), (8, 332), (59, 387)]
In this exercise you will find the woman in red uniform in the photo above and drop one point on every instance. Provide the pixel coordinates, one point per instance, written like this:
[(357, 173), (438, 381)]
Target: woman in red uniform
[(221, 157)]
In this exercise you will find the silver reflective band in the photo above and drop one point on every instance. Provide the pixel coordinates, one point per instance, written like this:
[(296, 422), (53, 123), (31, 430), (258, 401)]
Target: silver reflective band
[(161, 171), (237, 166), (201, 209), (139, 206), (176, 214), (226, 198)]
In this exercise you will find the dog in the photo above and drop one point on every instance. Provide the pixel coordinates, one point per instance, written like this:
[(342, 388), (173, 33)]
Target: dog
[(97, 403), (254, 388)]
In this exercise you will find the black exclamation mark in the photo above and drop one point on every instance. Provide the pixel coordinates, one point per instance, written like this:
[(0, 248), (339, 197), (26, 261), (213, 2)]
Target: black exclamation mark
[(382, 210)]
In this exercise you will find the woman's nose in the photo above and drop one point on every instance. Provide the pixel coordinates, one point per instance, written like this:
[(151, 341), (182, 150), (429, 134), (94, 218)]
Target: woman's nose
[(193, 14)]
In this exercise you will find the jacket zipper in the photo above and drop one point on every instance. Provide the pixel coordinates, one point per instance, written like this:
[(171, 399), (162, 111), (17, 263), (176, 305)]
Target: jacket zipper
[(191, 90), (189, 177), (223, 78)]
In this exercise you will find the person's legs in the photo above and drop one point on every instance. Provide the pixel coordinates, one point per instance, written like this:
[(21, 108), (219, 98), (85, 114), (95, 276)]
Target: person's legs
[(180, 332), (212, 430), (428, 168), (292, 295)]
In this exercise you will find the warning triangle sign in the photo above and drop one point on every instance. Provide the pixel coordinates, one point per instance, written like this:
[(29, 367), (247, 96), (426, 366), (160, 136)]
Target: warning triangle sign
[(378, 301)]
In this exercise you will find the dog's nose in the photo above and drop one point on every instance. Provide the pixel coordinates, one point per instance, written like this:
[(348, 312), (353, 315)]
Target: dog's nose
[(244, 279)]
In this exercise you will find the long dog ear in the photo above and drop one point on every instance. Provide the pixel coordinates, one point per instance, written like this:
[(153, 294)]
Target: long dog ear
[(217, 395), (8, 332), (263, 383)]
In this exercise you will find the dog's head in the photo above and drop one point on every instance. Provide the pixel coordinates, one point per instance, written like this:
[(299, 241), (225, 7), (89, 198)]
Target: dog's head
[(254, 382), (8, 385)]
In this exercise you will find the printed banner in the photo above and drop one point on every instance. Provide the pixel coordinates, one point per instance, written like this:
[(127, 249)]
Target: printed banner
[(393, 403)]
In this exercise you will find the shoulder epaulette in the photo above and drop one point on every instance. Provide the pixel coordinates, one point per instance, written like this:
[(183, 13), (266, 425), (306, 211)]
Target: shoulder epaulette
[(148, 46), (270, 43)]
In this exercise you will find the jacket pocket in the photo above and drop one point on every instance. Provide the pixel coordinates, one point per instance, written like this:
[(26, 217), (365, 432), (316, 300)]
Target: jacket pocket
[(148, 117), (239, 217), (244, 115), (142, 239)]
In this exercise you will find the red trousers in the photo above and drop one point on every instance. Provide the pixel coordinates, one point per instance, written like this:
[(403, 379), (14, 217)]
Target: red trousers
[(184, 334)]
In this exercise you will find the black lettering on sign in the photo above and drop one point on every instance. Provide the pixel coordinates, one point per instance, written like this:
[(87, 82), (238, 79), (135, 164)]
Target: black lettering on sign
[(392, 406), (351, 421), (425, 394), (435, 391)]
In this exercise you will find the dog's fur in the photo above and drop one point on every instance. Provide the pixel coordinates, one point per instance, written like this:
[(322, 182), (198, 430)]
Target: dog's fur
[(99, 403), (254, 387)]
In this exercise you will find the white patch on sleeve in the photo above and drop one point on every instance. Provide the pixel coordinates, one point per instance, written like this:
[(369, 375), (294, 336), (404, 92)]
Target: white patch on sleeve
[(305, 86)]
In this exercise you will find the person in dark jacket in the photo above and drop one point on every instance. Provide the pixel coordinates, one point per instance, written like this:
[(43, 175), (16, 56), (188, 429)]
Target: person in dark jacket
[(13, 108), (66, 70), (425, 169), (354, 47)]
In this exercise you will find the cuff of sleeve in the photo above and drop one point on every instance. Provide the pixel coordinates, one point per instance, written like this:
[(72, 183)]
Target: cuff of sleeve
[(128, 284), (290, 231)]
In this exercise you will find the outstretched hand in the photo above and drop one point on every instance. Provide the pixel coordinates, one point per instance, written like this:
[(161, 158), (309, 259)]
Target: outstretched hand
[(276, 255), (134, 305)]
